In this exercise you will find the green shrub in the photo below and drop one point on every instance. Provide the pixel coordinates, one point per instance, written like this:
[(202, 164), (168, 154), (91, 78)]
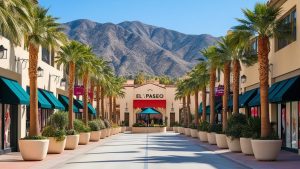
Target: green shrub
[(139, 125), (71, 132), (203, 126), (101, 124), (236, 123), (50, 131), (215, 128), (80, 127), (252, 128), (114, 125), (59, 120), (94, 125), (34, 138), (193, 126), (176, 124), (107, 123)]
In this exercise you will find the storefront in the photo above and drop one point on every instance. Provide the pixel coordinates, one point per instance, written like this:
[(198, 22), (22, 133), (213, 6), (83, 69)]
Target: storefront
[(91, 109), (65, 101), (286, 97), (11, 96)]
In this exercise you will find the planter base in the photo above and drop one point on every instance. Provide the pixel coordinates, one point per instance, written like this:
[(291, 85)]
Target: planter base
[(221, 141), (149, 129), (72, 142), (33, 150), (84, 138), (203, 136), (246, 146), (266, 150), (234, 144), (211, 137), (56, 147)]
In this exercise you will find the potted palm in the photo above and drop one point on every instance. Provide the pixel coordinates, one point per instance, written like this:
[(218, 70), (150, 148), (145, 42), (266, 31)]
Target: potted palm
[(108, 128), (203, 128), (57, 139), (236, 122), (249, 131), (84, 132), (194, 131), (34, 148), (211, 133), (102, 128), (221, 137), (55, 131), (95, 130), (72, 140)]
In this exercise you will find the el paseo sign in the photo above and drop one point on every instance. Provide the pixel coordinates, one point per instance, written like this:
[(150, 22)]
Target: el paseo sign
[(149, 96)]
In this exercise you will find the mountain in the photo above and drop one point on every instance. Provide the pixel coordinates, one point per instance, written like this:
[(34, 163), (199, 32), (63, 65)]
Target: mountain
[(132, 47)]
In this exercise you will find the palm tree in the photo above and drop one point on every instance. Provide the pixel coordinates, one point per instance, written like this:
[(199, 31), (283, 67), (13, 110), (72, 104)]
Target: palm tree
[(199, 78), (224, 51), (85, 68), (102, 75), (181, 94), (15, 19), (48, 33), (214, 63), (262, 23), (69, 56)]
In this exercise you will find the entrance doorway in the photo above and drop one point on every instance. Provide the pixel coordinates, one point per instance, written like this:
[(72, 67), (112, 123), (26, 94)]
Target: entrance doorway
[(149, 117)]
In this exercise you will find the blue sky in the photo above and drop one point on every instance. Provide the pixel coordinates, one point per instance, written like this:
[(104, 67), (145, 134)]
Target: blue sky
[(213, 17)]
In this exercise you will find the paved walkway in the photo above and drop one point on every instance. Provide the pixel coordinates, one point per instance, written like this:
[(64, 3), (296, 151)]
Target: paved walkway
[(149, 151)]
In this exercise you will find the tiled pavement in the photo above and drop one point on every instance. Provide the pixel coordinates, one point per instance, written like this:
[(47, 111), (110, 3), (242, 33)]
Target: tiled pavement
[(152, 151)]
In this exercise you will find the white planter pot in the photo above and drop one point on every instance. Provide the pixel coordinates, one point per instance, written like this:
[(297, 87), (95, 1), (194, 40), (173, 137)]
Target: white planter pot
[(84, 138), (72, 142), (187, 131), (203, 136), (266, 150), (180, 130), (56, 147), (109, 132), (33, 150), (234, 144), (175, 129), (211, 137), (246, 146), (221, 141), (123, 129), (103, 133), (194, 133), (95, 135)]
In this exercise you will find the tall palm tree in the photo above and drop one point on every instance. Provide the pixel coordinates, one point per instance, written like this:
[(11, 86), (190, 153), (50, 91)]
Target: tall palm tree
[(214, 63), (48, 33), (15, 19), (262, 23), (85, 68), (181, 94), (69, 56)]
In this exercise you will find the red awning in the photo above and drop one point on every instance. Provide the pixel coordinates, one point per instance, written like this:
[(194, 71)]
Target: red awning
[(149, 103)]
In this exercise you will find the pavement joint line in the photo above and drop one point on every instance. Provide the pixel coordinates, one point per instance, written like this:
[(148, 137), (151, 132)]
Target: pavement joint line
[(57, 165), (198, 142), (146, 152)]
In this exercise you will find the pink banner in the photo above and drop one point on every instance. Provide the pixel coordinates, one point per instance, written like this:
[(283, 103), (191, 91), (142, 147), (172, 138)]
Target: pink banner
[(220, 90), (78, 90)]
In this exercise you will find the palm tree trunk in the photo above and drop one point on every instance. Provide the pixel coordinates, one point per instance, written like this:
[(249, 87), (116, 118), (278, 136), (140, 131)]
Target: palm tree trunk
[(236, 85), (110, 108), (85, 97), (189, 109), (263, 51), (226, 94), (34, 129), (212, 95), (71, 93), (196, 107), (184, 110), (98, 100), (203, 104), (102, 103), (115, 109), (91, 99)]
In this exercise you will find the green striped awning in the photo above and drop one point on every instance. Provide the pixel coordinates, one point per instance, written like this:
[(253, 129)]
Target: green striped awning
[(286, 90), (56, 104), (42, 101), (65, 101), (246, 97), (11, 92), (79, 104), (92, 110)]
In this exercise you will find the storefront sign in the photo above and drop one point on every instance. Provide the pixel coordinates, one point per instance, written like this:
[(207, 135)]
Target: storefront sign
[(220, 90), (78, 90), (149, 96)]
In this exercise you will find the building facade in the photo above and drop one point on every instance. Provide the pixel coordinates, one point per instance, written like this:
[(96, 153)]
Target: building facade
[(284, 73)]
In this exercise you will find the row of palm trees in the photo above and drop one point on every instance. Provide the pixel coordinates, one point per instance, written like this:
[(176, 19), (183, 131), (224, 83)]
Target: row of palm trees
[(234, 49), (25, 21)]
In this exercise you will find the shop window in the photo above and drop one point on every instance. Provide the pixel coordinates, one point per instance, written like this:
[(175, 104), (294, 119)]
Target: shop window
[(126, 119), (46, 55), (172, 119), (294, 125), (288, 125), (288, 27), (43, 116)]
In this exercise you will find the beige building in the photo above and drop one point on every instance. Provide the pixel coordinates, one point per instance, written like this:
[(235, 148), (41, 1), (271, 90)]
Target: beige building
[(284, 91), (14, 99)]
